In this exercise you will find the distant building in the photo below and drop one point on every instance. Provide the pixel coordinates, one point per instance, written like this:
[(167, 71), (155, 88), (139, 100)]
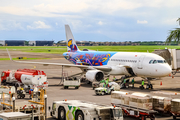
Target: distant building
[(44, 43), (2, 42), (14, 42), (32, 43)]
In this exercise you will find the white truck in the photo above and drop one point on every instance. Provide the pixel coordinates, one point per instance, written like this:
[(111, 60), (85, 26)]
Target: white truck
[(15, 116), (80, 110), (113, 86), (72, 82)]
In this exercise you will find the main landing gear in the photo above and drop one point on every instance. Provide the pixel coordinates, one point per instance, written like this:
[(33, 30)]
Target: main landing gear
[(149, 85)]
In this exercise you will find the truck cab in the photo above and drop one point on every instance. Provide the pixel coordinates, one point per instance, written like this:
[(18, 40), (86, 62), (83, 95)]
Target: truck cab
[(81, 110)]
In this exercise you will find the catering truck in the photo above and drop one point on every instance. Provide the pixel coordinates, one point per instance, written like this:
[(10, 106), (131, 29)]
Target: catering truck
[(23, 76), (80, 110)]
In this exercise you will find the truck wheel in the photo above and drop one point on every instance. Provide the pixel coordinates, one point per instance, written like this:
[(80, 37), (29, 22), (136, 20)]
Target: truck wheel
[(174, 117), (76, 87), (61, 113), (18, 96), (102, 93), (64, 87), (79, 115)]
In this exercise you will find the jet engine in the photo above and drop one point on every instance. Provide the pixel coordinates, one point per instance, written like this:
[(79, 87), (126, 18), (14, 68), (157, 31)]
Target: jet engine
[(94, 75)]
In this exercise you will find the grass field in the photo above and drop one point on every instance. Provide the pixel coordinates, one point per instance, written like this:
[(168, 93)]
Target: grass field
[(23, 59), (62, 49)]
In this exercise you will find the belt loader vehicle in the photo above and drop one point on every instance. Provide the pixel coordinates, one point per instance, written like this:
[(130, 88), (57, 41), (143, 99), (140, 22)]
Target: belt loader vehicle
[(80, 110)]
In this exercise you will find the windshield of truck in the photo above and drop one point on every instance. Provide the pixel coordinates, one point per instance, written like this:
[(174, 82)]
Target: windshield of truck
[(117, 113), (54, 107), (2, 74)]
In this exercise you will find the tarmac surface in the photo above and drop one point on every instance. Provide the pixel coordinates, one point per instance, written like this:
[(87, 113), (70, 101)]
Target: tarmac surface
[(56, 92)]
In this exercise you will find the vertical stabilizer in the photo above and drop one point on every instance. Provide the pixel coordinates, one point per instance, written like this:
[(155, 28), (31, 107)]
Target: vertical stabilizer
[(71, 43)]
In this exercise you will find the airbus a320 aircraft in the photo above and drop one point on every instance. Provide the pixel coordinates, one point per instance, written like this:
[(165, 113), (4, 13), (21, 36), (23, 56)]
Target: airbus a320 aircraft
[(96, 64)]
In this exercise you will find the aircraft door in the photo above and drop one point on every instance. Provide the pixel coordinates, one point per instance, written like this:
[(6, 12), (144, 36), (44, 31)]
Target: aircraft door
[(140, 61)]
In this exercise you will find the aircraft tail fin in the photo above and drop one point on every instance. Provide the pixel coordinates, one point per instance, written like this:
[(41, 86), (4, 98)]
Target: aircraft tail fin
[(71, 43)]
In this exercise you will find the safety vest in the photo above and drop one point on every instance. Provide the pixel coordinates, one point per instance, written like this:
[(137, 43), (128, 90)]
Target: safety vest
[(133, 81), (124, 80), (142, 82)]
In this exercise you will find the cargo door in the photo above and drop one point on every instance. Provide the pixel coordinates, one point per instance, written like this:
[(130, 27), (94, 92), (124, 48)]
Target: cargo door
[(140, 62)]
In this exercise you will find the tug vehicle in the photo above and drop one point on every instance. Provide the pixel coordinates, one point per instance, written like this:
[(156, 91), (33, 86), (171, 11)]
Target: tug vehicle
[(80, 110)]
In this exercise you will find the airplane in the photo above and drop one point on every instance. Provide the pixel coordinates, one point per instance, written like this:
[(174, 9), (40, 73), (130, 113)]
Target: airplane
[(97, 64)]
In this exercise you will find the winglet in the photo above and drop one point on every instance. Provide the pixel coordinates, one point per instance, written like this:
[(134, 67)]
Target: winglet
[(9, 54)]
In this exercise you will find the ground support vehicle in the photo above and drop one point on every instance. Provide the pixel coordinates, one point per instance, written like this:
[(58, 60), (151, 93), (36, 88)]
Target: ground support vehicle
[(107, 90), (24, 77), (80, 110), (97, 84), (15, 116), (140, 113), (72, 82)]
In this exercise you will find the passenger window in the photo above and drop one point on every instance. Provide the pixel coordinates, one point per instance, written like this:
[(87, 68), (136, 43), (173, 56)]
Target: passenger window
[(155, 61), (150, 62)]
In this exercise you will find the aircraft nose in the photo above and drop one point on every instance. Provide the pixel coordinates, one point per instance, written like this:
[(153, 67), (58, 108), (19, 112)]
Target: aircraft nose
[(167, 70)]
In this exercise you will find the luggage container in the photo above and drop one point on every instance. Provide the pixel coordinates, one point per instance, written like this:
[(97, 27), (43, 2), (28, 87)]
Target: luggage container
[(162, 104), (175, 108)]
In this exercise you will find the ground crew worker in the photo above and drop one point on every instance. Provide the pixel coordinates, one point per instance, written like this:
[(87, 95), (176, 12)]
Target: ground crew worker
[(132, 83), (142, 84), (107, 81), (114, 79), (124, 83)]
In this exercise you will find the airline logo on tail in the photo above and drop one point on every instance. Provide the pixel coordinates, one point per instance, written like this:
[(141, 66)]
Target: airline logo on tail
[(71, 47)]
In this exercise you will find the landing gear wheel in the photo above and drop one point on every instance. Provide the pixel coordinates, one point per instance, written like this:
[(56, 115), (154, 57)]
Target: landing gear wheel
[(61, 113), (79, 115), (151, 86)]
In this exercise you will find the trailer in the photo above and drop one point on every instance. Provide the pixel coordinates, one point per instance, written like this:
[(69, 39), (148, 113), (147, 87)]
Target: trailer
[(15, 116), (81, 110), (134, 105)]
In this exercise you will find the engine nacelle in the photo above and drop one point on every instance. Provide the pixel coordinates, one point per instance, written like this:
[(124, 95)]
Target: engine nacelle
[(94, 75)]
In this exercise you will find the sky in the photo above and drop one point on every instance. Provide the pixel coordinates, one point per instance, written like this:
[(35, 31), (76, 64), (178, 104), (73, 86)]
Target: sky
[(89, 20)]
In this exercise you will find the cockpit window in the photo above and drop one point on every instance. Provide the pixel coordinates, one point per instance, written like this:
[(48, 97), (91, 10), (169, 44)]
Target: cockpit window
[(155, 61), (150, 62), (160, 61)]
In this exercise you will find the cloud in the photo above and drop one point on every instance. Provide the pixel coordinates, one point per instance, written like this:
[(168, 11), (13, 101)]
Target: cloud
[(38, 25), (100, 23), (172, 21), (142, 22)]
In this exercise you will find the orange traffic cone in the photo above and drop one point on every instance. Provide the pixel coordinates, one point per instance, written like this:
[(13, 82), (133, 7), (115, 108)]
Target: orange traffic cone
[(169, 75), (161, 83), (172, 76)]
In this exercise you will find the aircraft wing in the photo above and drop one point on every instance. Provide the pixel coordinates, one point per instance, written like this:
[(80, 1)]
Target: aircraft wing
[(103, 68)]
